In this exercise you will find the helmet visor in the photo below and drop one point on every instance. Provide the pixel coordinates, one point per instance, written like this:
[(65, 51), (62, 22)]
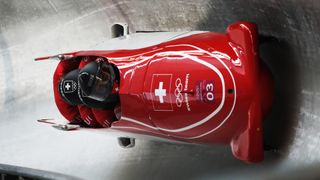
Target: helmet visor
[(101, 84)]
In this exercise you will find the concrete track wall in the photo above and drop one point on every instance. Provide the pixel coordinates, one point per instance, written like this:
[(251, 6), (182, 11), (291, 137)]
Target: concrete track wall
[(29, 29)]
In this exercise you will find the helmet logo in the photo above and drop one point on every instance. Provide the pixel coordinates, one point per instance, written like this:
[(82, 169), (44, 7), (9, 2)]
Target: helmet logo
[(69, 86)]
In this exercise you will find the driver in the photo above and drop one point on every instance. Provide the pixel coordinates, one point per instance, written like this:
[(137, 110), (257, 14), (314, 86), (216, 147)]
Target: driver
[(92, 90), (98, 81)]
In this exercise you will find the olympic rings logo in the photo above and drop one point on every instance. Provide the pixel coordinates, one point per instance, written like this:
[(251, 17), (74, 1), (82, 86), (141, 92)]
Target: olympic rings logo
[(177, 92)]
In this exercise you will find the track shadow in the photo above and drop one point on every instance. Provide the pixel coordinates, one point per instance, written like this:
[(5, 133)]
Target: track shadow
[(278, 125)]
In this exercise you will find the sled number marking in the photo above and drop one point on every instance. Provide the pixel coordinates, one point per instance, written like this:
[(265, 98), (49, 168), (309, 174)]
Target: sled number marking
[(205, 91), (209, 93)]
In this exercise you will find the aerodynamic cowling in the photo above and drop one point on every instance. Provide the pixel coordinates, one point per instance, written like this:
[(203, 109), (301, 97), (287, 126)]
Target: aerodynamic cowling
[(204, 88)]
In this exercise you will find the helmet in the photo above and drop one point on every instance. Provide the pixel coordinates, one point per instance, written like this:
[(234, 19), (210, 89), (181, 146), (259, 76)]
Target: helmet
[(96, 80), (68, 88), (70, 91)]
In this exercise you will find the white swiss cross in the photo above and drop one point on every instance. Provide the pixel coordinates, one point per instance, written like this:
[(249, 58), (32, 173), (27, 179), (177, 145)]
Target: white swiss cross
[(160, 92), (68, 86)]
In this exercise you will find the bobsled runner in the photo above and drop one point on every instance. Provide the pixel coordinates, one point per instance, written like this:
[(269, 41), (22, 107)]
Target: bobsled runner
[(205, 87)]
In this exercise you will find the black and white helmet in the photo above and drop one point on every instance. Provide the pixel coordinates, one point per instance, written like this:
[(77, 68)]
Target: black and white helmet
[(96, 80), (69, 88)]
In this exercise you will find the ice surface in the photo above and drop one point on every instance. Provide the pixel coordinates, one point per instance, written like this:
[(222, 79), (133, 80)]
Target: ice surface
[(30, 29)]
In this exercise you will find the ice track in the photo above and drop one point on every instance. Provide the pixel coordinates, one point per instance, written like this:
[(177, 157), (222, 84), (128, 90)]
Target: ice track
[(30, 29)]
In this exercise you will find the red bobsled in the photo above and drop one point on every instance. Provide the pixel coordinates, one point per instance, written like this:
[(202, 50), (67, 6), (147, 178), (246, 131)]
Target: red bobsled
[(204, 88)]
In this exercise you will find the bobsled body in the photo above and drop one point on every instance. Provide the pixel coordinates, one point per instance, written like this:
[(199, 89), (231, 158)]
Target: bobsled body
[(203, 88)]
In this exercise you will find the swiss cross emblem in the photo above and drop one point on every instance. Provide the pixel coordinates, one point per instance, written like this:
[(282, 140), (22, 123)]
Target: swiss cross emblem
[(160, 92), (69, 86)]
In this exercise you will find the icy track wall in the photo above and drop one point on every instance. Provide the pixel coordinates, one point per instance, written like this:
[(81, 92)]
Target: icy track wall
[(30, 29)]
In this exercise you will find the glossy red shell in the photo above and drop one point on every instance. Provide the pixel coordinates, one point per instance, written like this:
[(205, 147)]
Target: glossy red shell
[(204, 88)]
